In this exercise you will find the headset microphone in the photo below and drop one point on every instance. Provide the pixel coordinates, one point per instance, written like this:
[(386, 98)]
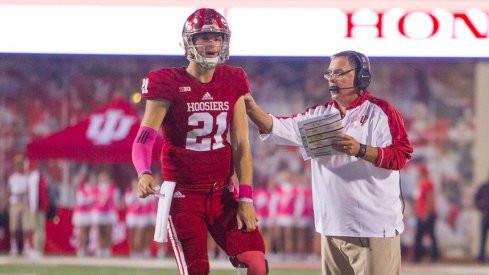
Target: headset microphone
[(336, 88)]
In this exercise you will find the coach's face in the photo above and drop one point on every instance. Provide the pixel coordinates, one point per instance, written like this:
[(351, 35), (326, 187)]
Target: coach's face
[(341, 76)]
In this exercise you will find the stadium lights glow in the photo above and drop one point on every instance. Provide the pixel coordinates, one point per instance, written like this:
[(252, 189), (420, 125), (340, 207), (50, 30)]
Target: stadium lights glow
[(144, 30)]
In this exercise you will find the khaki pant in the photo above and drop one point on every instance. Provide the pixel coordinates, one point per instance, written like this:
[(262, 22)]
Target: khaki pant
[(19, 217), (39, 233), (361, 256)]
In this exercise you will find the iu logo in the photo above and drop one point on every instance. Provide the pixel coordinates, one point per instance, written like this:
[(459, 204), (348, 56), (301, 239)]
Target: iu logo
[(108, 127), (144, 86), (363, 119)]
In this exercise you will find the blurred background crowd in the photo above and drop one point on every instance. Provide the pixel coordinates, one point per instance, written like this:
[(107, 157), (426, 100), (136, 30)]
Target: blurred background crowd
[(41, 94)]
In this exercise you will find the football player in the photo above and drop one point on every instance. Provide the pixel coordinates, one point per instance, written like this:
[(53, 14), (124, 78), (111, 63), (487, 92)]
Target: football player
[(201, 113)]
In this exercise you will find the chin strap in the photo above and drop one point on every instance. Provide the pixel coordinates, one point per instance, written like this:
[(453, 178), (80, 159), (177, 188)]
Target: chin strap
[(206, 62)]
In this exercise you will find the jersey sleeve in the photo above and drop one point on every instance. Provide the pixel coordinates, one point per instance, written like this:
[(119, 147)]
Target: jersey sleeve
[(395, 155), (245, 86), (235, 78), (157, 85), (284, 132)]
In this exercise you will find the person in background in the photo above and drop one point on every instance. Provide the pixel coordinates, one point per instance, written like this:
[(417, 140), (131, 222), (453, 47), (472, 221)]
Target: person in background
[(262, 205), (19, 213), (105, 212), (137, 217), (282, 203), (481, 201), (356, 188), (304, 215), (82, 218), (425, 212), (38, 205), (200, 110)]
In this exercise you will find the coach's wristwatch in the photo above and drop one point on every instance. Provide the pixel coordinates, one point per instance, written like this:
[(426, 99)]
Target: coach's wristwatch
[(362, 151)]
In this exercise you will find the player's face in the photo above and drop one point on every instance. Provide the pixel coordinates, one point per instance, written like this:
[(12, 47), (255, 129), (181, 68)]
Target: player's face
[(208, 44)]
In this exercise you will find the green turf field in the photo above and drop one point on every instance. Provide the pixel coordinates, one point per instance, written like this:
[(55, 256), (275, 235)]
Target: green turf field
[(28, 269), (68, 265), (11, 269)]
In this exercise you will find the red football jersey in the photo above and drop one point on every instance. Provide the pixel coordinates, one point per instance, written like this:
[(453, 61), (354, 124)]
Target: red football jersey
[(195, 129)]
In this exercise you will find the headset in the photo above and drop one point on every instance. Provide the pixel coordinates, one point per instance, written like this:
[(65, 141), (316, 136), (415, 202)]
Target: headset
[(362, 72)]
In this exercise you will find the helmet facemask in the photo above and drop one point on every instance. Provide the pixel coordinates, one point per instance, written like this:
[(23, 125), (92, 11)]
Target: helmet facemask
[(206, 21)]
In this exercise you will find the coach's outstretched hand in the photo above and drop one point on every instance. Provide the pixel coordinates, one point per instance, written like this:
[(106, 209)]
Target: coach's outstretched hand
[(259, 117)]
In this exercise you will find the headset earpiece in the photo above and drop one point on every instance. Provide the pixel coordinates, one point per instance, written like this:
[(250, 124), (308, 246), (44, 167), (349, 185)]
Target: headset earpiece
[(362, 74)]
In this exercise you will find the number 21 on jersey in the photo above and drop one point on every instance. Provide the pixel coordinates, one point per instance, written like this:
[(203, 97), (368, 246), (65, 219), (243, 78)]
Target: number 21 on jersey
[(198, 134)]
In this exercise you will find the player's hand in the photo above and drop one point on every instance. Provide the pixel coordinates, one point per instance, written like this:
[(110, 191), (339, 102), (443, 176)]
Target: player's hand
[(346, 144), (246, 217), (146, 184)]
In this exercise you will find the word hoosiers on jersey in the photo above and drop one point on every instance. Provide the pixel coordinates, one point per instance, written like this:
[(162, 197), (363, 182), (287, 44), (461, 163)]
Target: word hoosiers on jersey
[(207, 106)]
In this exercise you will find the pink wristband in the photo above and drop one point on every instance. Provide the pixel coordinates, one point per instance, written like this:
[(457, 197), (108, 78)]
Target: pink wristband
[(245, 191), (142, 149)]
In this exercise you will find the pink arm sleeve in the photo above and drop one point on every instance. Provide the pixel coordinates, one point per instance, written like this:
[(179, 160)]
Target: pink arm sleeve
[(142, 149)]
